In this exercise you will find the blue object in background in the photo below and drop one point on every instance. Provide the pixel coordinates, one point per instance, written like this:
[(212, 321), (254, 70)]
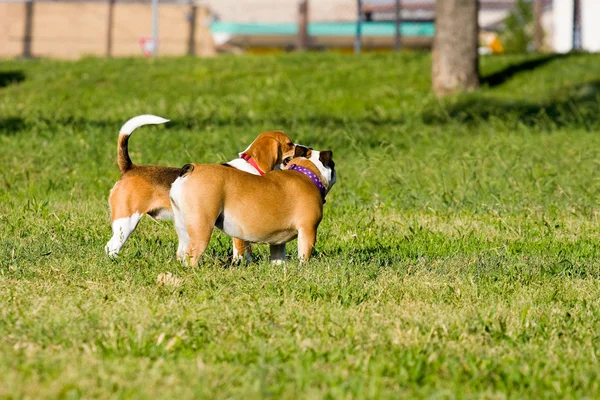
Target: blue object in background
[(407, 29)]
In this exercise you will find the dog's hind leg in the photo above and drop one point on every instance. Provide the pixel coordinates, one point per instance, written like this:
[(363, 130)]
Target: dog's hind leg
[(182, 233), (122, 228), (199, 238), (277, 253), (307, 238)]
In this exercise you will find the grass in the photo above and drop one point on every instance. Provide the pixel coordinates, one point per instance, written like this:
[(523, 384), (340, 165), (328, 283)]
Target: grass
[(458, 256)]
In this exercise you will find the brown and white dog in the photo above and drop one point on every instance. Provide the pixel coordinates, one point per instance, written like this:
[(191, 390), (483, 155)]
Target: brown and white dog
[(144, 189), (274, 208)]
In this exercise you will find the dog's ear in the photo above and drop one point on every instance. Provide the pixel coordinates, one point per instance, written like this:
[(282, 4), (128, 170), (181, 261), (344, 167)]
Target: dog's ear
[(266, 152), (325, 157), (301, 151)]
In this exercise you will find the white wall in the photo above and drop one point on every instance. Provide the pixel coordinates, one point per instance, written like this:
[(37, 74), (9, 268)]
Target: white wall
[(590, 22), (562, 32)]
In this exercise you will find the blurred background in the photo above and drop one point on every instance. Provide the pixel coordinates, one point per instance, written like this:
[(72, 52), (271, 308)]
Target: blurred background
[(117, 28)]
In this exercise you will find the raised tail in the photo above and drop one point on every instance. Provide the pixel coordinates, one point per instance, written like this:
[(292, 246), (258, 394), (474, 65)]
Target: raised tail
[(122, 152)]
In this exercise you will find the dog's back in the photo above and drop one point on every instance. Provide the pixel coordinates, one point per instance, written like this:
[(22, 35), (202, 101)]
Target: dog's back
[(275, 194)]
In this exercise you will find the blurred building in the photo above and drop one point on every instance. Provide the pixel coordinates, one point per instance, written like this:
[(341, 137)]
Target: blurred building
[(263, 24), (76, 28)]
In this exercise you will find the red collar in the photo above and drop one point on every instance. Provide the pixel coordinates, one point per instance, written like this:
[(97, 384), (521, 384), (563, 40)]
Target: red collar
[(251, 161)]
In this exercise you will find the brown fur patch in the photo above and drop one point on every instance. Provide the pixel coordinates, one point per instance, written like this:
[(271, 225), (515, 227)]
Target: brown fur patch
[(142, 189)]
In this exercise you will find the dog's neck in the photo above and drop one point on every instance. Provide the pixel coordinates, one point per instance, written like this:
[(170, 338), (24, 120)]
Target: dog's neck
[(252, 162), (310, 170), (262, 154), (312, 176), (243, 165)]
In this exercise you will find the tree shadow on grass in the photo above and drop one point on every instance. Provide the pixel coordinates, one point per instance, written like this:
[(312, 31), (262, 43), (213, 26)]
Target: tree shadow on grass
[(498, 78), (283, 121), (13, 125), (10, 78), (576, 106)]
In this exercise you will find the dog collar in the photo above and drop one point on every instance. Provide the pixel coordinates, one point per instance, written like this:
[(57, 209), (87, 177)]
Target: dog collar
[(251, 161), (313, 177)]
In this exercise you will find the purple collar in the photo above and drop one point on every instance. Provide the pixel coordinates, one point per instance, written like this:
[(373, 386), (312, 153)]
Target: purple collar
[(311, 175)]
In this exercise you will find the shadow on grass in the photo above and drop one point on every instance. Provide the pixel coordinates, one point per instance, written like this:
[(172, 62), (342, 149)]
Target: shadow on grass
[(200, 122), (286, 123), (10, 126), (498, 78), (575, 106), (13, 125), (11, 77)]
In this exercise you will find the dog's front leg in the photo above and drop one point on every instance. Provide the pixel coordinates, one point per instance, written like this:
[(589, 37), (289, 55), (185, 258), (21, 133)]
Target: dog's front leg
[(277, 253), (306, 243)]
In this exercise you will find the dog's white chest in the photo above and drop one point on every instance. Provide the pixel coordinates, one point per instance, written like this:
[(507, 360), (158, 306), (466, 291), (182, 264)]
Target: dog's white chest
[(230, 226)]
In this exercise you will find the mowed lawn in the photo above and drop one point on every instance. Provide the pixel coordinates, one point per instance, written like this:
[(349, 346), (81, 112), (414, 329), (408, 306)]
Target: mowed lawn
[(459, 254)]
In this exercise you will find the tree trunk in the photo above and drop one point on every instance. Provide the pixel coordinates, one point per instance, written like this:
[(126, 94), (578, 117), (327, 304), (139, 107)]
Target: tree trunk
[(455, 47)]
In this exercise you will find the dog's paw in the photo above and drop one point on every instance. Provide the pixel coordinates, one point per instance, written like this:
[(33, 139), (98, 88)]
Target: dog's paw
[(111, 252)]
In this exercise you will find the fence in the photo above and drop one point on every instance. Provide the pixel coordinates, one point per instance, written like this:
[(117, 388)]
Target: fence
[(72, 29), (264, 25), (416, 18), (258, 25)]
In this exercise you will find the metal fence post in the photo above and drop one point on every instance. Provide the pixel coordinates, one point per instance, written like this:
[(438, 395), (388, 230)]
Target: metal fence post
[(398, 37), (191, 50), (28, 35), (576, 25), (302, 39), (154, 28), (539, 33), (109, 28), (357, 40)]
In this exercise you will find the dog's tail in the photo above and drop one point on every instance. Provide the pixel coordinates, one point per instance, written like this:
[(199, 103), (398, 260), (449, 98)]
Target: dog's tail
[(122, 152), (186, 170)]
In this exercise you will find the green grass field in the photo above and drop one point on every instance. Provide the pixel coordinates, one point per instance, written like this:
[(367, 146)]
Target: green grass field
[(458, 257)]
